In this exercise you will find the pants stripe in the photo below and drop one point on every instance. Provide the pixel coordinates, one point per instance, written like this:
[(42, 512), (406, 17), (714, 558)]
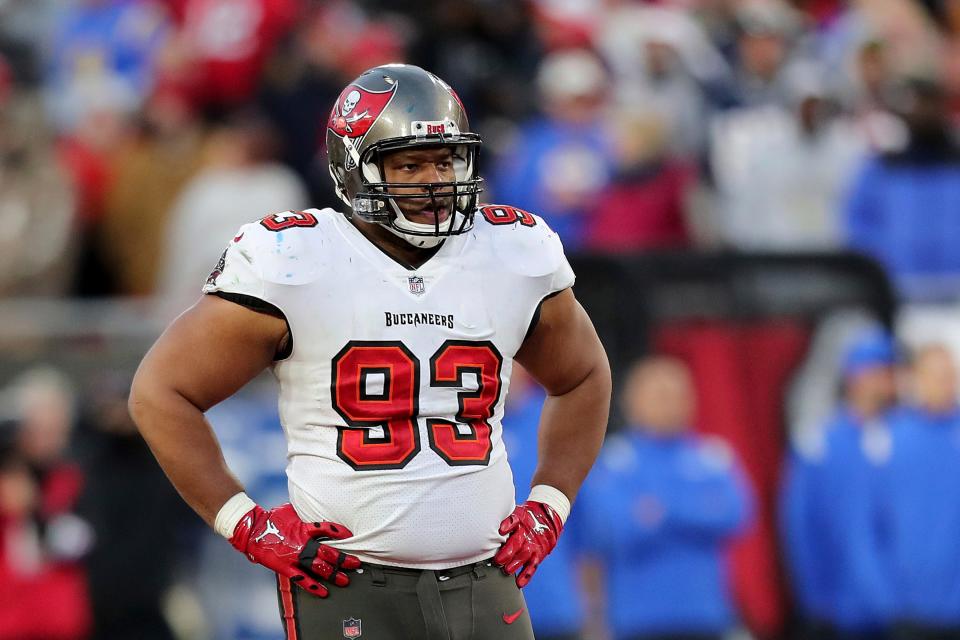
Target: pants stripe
[(288, 611)]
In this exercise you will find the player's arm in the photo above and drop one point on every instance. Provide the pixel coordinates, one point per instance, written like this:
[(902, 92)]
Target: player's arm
[(564, 354), (205, 356)]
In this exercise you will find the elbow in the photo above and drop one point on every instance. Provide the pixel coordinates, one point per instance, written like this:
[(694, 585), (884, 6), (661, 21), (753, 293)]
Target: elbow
[(144, 399), (603, 380), (604, 376), (136, 401), (598, 377)]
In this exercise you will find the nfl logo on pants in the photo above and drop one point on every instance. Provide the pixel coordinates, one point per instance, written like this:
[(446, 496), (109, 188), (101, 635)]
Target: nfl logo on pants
[(351, 628)]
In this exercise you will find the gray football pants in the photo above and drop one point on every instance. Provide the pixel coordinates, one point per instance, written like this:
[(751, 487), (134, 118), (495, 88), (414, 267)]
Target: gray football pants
[(472, 602)]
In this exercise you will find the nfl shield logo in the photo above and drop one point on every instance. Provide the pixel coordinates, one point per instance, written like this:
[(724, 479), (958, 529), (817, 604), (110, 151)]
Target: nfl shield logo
[(351, 628), (416, 285)]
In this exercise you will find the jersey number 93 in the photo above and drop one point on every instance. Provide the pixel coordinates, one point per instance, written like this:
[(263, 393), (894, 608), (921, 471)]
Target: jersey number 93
[(375, 387)]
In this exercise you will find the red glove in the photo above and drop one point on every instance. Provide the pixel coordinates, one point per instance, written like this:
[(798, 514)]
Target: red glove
[(279, 540), (533, 529)]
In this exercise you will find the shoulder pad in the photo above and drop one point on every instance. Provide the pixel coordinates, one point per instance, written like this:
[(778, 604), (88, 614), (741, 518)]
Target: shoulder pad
[(286, 246), (521, 240)]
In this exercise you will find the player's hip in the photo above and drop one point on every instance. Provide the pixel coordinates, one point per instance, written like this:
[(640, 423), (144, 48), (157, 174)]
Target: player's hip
[(470, 600)]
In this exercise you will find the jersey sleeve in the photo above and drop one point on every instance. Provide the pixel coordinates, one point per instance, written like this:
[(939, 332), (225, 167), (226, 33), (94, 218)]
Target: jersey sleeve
[(269, 258), (530, 248), (562, 276), (238, 271)]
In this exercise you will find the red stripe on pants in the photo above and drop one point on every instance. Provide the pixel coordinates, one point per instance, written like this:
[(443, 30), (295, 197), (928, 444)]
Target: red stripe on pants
[(289, 615)]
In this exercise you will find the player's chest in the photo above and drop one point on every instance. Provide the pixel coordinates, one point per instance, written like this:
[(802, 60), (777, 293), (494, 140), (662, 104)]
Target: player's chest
[(417, 308)]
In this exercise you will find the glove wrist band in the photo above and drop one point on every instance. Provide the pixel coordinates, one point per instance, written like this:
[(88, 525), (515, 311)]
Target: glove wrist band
[(231, 512), (557, 500)]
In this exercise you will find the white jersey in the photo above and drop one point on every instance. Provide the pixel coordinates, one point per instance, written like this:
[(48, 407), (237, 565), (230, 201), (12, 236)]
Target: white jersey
[(392, 396)]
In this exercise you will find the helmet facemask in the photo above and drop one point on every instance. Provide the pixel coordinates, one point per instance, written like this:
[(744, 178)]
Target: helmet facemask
[(393, 108), (379, 201)]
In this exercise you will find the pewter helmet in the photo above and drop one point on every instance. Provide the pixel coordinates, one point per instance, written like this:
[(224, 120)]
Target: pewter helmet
[(390, 108)]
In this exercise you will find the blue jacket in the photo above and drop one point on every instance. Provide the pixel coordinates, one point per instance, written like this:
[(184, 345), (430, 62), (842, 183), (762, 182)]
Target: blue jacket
[(553, 596), (831, 533), (125, 37), (549, 155), (905, 214), (922, 514), (658, 512)]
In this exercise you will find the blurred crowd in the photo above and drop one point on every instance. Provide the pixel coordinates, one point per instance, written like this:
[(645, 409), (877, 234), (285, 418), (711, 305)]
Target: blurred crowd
[(869, 513), (90, 529), (136, 136)]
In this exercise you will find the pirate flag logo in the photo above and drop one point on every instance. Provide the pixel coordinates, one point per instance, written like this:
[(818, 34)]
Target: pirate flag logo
[(357, 109)]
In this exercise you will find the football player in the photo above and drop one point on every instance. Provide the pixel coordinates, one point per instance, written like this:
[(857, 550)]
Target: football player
[(392, 329)]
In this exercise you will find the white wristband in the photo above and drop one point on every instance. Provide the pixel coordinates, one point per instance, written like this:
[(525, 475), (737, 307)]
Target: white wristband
[(231, 512), (554, 497)]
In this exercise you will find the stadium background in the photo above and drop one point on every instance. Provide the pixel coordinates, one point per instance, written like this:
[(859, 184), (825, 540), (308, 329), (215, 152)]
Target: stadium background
[(702, 160)]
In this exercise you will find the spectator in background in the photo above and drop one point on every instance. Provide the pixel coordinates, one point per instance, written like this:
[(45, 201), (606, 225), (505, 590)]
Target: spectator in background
[(841, 580), (43, 590), (240, 180), (488, 50), (780, 170), (870, 43), (658, 510), (664, 65), (103, 63), (133, 511), (921, 501), (301, 80), (558, 164), (25, 27), (554, 599), (645, 205), (902, 208), (868, 92), (765, 36), (333, 43), (103, 50), (149, 170), (37, 212), (86, 153), (223, 45)]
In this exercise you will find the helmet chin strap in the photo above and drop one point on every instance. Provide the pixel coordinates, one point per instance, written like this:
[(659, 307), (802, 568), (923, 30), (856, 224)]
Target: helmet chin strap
[(420, 241)]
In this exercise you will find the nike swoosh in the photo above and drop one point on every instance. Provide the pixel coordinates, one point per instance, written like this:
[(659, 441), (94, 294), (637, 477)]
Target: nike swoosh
[(511, 618)]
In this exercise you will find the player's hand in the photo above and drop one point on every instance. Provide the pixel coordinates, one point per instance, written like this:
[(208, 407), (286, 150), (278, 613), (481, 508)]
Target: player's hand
[(533, 529), (279, 540)]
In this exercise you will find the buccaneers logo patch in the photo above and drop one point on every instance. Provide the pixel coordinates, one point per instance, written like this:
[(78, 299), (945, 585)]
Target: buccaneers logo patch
[(218, 270), (357, 109)]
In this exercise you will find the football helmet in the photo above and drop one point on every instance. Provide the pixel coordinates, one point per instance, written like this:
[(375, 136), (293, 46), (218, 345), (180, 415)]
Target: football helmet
[(390, 108)]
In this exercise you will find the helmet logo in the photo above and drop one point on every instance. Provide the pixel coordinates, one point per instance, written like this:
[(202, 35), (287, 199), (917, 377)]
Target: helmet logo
[(357, 109), (349, 103)]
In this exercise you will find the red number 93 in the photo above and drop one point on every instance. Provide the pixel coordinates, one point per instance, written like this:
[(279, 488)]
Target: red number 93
[(375, 388)]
